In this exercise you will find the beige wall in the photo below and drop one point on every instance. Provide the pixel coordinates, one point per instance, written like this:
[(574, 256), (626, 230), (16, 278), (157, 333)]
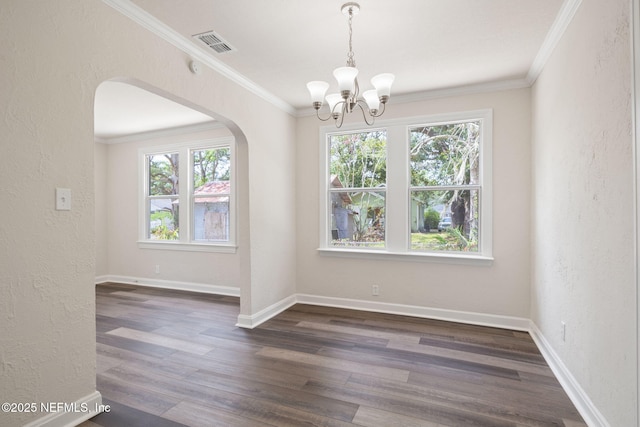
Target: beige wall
[(47, 303), (101, 208), (501, 288), (583, 221)]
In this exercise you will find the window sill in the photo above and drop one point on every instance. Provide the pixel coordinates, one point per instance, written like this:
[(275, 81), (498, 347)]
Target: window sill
[(189, 247), (446, 258)]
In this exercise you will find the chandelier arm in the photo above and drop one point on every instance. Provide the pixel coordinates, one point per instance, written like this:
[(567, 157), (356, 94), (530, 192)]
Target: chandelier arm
[(356, 88), (364, 115), (381, 111), (320, 118)]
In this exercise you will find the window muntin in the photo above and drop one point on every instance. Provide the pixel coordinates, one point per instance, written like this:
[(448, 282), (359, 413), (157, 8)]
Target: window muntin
[(414, 190), (357, 189), (188, 200), (444, 161)]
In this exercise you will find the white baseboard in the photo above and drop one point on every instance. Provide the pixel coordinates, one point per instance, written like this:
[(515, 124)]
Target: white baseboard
[(482, 319), (492, 320), (251, 321), (82, 409), (102, 279), (171, 284), (578, 396)]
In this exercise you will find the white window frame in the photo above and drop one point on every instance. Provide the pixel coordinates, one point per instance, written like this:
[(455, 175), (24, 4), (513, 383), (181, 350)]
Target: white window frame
[(398, 214), (186, 241)]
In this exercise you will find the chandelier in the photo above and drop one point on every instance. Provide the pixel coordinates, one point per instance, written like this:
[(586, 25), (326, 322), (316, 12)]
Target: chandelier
[(345, 102)]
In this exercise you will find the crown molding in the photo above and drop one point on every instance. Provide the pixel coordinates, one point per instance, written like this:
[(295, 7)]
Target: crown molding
[(559, 26), (148, 21), (495, 86)]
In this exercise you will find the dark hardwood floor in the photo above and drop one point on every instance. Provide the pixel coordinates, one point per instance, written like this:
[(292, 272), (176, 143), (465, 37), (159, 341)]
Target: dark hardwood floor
[(170, 358)]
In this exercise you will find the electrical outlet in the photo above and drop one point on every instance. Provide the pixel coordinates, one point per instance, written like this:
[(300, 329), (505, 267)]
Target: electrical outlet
[(375, 290), (157, 268), (563, 330)]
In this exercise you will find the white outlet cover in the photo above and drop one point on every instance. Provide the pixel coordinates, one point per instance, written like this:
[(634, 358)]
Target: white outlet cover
[(63, 199)]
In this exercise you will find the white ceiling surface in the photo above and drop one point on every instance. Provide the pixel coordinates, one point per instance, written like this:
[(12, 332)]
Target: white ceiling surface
[(428, 44), (122, 109)]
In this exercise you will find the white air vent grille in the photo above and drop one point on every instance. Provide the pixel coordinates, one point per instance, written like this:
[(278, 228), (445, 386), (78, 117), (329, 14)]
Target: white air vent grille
[(215, 42)]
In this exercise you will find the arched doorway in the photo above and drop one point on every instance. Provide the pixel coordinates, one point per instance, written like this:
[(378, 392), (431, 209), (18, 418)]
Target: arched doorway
[(132, 117)]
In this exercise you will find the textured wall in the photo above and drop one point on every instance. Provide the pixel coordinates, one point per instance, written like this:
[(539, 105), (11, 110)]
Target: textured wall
[(101, 208), (501, 288), (583, 223), (47, 321)]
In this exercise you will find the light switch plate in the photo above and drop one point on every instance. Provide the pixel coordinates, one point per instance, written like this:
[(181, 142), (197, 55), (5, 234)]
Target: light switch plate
[(63, 199)]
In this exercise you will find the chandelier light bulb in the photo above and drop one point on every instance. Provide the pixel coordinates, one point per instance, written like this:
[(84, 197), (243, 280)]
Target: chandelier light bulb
[(372, 99), (346, 77), (333, 99), (382, 83), (317, 89)]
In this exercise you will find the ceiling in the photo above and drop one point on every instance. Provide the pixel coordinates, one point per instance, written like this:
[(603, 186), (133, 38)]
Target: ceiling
[(430, 45), (122, 109)]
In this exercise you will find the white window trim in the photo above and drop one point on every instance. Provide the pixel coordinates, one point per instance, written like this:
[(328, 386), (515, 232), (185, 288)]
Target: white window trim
[(186, 242), (398, 215)]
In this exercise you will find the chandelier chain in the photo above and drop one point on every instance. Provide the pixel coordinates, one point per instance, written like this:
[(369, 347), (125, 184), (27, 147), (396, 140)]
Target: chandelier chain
[(350, 56)]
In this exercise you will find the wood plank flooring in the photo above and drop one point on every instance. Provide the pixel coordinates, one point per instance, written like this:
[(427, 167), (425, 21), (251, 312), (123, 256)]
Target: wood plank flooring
[(170, 358)]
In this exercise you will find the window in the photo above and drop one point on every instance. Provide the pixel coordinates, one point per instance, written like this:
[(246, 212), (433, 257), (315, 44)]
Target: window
[(188, 200), (418, 186)]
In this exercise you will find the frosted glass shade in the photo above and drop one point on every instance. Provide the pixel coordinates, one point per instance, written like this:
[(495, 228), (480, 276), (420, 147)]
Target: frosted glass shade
[(371, 98), (382, 83), (317, 89), (346, 77), (333, 99)]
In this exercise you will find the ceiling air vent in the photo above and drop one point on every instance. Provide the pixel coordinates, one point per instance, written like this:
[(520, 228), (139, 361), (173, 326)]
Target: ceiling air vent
[(215, 42)]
